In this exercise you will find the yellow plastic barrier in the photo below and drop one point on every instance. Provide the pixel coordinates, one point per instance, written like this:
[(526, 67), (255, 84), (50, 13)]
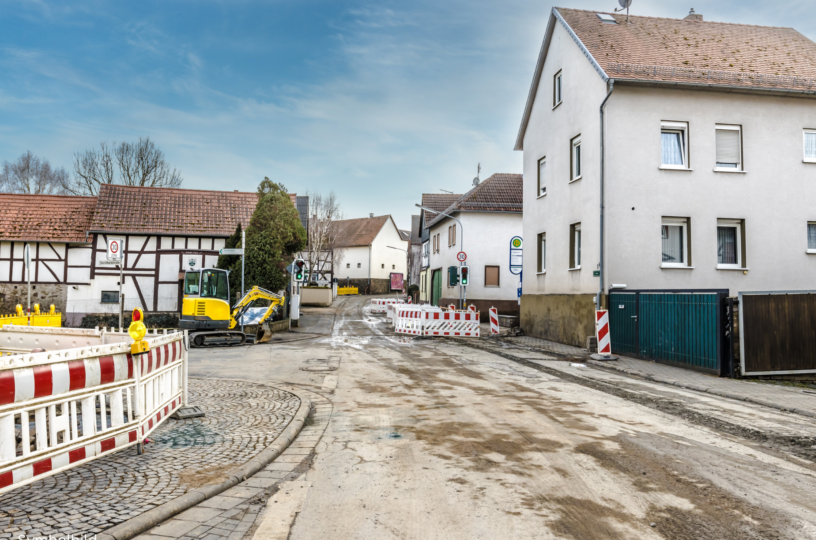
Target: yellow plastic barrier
[(347, 290), (38, 318)]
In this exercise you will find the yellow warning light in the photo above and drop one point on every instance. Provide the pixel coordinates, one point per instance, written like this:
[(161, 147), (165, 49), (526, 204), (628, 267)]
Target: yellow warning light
[(137, 331)]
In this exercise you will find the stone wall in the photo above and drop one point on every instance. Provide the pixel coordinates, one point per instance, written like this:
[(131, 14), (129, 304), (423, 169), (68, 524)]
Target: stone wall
[(564, 318), (43, 294), (378, 286)]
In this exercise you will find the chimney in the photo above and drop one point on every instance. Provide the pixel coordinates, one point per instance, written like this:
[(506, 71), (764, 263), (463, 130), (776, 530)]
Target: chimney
[(693, 16), (370, 215)]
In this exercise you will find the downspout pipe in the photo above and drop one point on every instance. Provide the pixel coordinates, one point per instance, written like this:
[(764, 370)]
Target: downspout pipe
[(601, 263)]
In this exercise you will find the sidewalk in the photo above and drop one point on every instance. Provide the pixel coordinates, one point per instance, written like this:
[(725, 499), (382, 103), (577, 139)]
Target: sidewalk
[(783, 398)]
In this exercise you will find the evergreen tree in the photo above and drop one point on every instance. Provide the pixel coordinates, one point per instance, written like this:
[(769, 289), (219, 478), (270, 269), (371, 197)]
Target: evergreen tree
[(274, 234)]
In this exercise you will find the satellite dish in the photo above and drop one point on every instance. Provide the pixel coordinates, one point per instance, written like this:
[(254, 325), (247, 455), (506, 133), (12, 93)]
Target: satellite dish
[(625, 3), (476, 181)]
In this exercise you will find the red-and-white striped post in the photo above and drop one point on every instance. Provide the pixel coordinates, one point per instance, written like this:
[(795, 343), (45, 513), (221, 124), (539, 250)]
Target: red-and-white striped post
[(452, 307), (471, 307), (602, 332), (494, 321)]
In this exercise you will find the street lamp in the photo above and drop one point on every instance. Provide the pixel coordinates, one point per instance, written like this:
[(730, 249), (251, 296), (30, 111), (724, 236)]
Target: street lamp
[(461, 239)]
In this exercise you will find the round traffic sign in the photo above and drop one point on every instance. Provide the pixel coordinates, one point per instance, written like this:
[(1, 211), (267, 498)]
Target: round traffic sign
[(516, 242), (114, 246), (461, 256)]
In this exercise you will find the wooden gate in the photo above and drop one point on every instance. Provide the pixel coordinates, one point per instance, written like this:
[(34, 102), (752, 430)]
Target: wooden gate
[(777, 332), (676, 327)]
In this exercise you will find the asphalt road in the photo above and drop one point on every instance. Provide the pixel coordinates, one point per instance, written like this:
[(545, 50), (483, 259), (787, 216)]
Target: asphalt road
[(433, 439)]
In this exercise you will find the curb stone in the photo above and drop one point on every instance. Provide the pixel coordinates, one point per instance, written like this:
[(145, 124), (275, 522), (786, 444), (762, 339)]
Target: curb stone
[(155, 516)]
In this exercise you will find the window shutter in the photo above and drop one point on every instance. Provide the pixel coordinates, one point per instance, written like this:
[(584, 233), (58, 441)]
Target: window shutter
[(728, 146)]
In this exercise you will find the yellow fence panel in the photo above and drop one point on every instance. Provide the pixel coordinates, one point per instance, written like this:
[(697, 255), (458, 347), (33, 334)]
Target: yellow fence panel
[(38, 318), (347, 290)]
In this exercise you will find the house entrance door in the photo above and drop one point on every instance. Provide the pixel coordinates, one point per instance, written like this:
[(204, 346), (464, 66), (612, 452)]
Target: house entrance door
[(436, 288)]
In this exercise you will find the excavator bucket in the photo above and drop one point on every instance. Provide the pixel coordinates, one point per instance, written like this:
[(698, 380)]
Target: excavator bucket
[(264, 333)]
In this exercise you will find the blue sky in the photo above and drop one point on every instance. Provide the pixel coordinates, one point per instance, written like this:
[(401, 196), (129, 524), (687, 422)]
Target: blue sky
[(379, 102)]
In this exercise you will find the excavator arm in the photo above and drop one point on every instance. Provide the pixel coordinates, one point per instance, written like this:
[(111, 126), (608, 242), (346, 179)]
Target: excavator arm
[(256, 293)]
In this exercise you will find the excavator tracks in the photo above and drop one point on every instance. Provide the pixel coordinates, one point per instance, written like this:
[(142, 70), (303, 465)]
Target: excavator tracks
[(224, 338)]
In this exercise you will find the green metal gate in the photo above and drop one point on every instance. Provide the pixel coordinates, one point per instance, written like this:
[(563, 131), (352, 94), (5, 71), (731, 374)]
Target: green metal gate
[(677, 327), (436, 287)]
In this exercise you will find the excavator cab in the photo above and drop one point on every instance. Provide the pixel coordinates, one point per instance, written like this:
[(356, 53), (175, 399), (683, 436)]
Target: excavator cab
[(205, 305)]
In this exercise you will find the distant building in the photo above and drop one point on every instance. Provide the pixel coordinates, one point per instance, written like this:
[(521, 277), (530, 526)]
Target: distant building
[(365, 259), (438, 202), (415, 252)]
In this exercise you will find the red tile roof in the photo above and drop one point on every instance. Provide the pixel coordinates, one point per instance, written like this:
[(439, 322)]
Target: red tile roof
[(148, 210), (502, 192), (50, 218), (688, 50), (438, 202), (361, 231)]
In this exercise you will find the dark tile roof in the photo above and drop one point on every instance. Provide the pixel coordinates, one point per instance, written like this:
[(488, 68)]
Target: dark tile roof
[(438, 202), (360, 232), (502, 192), (50, 218), (148, 210), (689, 50)]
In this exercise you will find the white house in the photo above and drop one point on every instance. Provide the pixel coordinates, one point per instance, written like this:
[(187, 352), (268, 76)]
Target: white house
[(489, 215), (664, 154), (438, 202), (374, 254)]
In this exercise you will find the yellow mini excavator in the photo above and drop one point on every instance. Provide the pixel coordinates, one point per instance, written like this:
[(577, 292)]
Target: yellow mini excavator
[(206, 313)]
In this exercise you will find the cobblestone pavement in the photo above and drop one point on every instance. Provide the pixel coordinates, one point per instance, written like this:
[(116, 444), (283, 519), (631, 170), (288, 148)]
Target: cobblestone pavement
[(241, 420), (235, 513)]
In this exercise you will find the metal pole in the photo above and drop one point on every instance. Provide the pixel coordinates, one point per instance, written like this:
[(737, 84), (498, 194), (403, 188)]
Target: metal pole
[(601, 262), (243, 256), (185, 368), (28, 278), (121, 296)]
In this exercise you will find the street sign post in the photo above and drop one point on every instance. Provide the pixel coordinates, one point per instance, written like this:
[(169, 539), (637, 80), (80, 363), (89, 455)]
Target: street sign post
[(517, 260), (116, 255), (27, 258), (231, 251)]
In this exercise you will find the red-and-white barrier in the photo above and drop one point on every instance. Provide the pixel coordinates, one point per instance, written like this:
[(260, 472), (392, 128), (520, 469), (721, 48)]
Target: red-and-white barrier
[(451, 323), (408, 320), (602, 332), (379, 305), (107, 400), (494, 321)]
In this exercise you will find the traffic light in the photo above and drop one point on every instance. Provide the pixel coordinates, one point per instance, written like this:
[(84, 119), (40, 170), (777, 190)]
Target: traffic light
[(300, 272), (465, 275), (453, 276)]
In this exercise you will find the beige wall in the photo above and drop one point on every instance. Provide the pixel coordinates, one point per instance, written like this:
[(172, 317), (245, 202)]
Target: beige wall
[(564, 318)]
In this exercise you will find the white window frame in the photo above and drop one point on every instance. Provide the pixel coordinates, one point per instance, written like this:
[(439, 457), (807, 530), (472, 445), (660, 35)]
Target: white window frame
[(575, 164), (809, 250), (674, 222), (674, 127), (558, 89), (541, 190), (542, 253), (805, 133), (738, 129), (737, 224), (576, 247)]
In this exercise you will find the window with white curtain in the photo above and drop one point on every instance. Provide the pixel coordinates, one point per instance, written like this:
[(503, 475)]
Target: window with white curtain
[(811, 237), (729, 244), (674, 242), (542, 252), (542, 178), (810, 145), (575, 159), (556, 89), (729, 148), (674, 145), (575, 246)]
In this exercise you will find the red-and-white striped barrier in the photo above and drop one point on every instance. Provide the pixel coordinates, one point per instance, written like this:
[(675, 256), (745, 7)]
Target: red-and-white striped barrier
[(107, 399), (471, 307), (494, 321), (602, 332), (452, 307), (451, 323), (379, 305), (408, 320)]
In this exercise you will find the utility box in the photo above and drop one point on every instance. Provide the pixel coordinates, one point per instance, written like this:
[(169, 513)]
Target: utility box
[(294, 307)]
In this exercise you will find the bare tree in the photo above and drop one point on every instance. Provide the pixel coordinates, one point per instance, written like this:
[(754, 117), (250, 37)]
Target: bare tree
[(132, 164), (321, 252), (30, 174)]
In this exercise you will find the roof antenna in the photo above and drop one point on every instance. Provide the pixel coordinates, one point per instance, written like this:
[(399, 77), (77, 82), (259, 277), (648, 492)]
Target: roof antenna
[(624, 5), (478, 172)]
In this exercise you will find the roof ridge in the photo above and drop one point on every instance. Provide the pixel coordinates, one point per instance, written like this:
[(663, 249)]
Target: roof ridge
[(123, 186), (680, 20)]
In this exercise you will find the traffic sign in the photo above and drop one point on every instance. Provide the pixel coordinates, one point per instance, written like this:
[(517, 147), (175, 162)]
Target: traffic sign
[(516, 255), (231, 251), (461, 256), (115, 249)]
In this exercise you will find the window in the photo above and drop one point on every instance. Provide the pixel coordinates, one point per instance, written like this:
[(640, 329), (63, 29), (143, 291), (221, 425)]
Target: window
[(810, 145), (556, 89), (112, 297), (449, 235), (453, 239), (674, 145), (214, 284), (491, 276), (575, 159), (729, 148), (348, 265), (542, 252), (542, 184), (393, 267), (811, 237), (191, 282), (607, 18), (358, 265), (383, 266), (730, 244), (575, 246), (675, 244)]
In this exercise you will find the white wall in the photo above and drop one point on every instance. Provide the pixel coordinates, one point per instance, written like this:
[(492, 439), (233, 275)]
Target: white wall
[(775, 196), (384, 260), (548, 134), (351, 258), (486, 243)]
